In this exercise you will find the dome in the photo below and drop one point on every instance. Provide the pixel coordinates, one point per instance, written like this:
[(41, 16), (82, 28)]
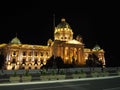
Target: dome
[(79, 38), (63, 24), (96, 47), (63, 31), (15, 40)]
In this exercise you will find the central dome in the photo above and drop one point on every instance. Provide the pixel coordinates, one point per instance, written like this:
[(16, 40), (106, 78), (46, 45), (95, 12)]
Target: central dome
[(63, 24), (63, 31)]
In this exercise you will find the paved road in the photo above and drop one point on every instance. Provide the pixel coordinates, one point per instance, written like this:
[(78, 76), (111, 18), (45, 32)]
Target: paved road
[(109, 83)]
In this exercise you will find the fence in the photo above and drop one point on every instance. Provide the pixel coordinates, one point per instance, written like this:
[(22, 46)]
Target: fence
[(67, 70)]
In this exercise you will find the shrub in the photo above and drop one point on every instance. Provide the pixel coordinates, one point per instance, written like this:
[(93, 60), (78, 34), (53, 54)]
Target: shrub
[(105, 73), (94, 74), (14, 79)]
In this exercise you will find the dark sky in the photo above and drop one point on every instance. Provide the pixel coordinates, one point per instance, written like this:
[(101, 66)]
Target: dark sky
[(33, 23)]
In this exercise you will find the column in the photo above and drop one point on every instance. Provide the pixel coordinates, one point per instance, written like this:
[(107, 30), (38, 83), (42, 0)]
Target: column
[(64, 53), (33, 55), (61, 53), (82, 56), (69, 53), (78, 49)]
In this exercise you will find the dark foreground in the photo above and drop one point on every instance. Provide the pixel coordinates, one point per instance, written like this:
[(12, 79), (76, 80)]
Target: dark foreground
[(78, 84)]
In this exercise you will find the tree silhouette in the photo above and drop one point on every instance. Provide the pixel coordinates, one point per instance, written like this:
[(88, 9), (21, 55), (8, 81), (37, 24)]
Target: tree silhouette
[(93, 61), (49, 63), (2, 59), (59, 63), (89, 61), (54, 63)]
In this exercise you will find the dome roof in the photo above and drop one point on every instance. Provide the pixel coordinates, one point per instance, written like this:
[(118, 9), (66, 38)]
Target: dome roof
[(63, 24), (96, 47), (15, 40)]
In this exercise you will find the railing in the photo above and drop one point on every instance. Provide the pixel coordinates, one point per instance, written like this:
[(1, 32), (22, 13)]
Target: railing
[(65, 70)]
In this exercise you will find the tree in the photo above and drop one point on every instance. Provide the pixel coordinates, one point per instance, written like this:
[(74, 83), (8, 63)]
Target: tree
[(89, 61), (95, 60), (2, 59), (92, 61), (59, 63), (49, 63), (73, 62), (54, 62)]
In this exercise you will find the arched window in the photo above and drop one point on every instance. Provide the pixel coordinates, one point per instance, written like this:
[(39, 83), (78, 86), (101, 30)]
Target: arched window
[(41, 53), (14, 60), (24, 53), (23, 62), (35, 67), (29, 67), (36, 61)]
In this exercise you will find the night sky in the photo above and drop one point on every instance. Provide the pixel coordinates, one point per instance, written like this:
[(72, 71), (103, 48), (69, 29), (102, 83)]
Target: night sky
[(33, 24)]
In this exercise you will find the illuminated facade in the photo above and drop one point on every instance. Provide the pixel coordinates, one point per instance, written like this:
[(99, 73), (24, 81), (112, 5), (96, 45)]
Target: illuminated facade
[(24, 56)]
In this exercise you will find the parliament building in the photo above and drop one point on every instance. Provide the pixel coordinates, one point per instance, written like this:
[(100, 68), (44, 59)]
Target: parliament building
[(26, 56)]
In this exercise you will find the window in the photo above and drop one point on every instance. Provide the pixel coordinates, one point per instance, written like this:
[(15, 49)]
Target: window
[(24, 53), (65, 37), (41, 53), (14, 61), (46, 53), (30, 53), (23, 61), (14, 53), (35, 53), (36, 61)]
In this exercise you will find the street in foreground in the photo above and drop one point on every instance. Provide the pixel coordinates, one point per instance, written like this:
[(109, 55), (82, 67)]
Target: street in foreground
[(99, 83)]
